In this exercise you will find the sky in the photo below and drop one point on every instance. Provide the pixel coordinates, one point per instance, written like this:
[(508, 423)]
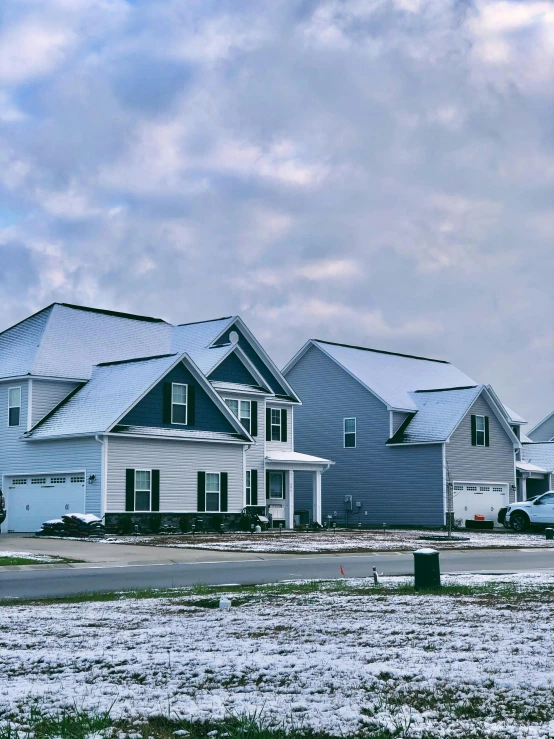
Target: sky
[(374, 172)]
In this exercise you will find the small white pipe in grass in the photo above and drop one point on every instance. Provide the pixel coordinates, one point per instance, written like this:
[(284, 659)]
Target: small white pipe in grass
[(225, 603)]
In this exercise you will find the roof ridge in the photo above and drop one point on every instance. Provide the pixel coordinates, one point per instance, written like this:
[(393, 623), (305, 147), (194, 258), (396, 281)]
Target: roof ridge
[(446, 389), (117, 314), (209, 320), (38, 312), (136, 359), (381, 351)]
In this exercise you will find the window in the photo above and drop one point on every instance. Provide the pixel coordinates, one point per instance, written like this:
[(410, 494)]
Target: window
[(142, 490), (14, 406), (275, 424), (547, 499), (479, 430), (485, 489), (241, 409), (497, 489), (178, 403), (57, 480), (213, 489), (276, 485), (78, 478), (248, 487), (471, 488), (350, 433), (38, 481), (458, 487), (19, 481)]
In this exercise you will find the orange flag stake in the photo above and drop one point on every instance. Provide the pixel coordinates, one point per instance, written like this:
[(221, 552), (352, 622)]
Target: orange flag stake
[(341, 571)]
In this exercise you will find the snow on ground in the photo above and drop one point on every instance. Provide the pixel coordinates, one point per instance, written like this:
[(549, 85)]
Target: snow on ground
[(339, 541), (334, 660), (44, 558)]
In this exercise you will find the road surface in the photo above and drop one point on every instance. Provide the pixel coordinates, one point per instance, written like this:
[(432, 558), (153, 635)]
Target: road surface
[(51, 583)]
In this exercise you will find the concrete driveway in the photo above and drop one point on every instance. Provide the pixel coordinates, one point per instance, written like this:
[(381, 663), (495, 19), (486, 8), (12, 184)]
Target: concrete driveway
[(102, 553)]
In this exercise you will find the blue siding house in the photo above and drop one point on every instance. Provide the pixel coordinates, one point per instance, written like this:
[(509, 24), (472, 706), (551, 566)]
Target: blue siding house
[(123, 416), (412, 438)]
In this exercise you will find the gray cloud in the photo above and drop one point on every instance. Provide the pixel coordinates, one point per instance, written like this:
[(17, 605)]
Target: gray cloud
[(366, 171)]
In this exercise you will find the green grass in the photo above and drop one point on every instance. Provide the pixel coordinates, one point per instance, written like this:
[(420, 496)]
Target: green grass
[(204, 596), (9, 561)]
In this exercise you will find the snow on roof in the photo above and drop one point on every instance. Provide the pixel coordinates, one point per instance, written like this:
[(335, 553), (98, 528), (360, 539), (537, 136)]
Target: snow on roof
[(529, 467), (540, 453), (295, 458), (392, 377), (438, 414), (237, 387), (95, 406), (513, 416), (177, 433)]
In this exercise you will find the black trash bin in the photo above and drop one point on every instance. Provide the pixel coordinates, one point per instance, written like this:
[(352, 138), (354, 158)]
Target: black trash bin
[(549, 533), (427, 571)]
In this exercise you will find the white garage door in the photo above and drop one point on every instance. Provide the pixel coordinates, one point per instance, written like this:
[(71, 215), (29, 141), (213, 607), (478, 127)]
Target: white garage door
[(479, 498), (33, 499)]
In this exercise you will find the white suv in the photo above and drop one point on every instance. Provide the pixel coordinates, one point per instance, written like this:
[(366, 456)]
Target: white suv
[(537, 512)]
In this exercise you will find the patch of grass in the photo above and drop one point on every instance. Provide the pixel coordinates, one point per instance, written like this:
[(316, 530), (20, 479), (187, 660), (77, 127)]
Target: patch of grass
[(8, 561)]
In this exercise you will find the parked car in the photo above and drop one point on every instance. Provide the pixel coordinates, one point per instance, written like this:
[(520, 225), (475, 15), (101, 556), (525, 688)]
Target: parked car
[(536, 512)]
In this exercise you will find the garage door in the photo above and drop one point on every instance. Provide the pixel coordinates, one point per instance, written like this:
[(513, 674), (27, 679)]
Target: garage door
[(33, 499), (479, 498)]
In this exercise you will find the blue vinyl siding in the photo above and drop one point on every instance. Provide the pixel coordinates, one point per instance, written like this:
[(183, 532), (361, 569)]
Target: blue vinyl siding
[(258, 363), (402, 486), (149, 410), (18, 456), (232, 370), (544, 432)]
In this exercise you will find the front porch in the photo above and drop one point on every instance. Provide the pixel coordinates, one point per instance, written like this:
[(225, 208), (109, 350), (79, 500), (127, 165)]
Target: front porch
[(531, 480), (280, 468)]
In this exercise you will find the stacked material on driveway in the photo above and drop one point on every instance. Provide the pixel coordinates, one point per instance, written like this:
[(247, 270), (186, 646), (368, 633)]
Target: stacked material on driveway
[(81, 525)]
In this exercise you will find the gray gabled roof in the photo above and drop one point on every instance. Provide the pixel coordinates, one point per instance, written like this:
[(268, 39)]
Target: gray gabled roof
[(540, 453), (113, 389)]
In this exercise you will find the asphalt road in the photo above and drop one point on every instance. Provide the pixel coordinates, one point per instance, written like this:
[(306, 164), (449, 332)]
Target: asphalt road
[(50, 583)]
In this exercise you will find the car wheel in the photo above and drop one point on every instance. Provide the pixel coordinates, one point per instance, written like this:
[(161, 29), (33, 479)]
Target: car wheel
[(519, 522)]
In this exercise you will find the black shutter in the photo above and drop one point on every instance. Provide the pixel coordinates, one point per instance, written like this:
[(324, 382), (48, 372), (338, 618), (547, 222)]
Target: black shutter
[(129, 490), (283, 424), (473, 431), (223, 497), (267, 483), (167, 403), (254, 418), (253, 487), (155, 490), (201, 502), (191, 404), (268, 424), (486, 431)]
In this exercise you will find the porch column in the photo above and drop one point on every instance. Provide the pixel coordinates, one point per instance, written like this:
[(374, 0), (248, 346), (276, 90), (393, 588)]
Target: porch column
[(289, 509), (317, 497), (523, 488)]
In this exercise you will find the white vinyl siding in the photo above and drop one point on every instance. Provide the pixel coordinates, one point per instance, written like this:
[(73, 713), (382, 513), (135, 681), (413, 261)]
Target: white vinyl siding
[(178, 463), (46, 396)]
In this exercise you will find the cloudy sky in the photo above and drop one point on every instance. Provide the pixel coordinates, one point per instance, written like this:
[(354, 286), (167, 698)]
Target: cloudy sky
[(377, 172)]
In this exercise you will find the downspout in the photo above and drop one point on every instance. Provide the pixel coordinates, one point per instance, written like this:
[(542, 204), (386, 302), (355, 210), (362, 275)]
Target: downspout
[(103, 475)]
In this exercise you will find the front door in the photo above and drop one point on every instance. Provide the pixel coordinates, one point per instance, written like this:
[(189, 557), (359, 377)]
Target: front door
[(543, 509)]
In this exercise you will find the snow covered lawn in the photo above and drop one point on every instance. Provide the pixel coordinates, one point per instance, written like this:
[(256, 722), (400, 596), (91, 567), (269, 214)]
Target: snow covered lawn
[(23, 558), (340, 541), (332, 656)]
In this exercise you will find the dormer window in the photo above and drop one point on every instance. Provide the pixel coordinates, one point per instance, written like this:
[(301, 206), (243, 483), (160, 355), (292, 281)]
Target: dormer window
[(14, 406), (242, 410), (178, 403)]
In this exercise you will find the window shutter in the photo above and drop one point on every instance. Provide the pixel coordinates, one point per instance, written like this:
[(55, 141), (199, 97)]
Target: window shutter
[(253, 487), (201, 502), (254, 418), (191, 404), (155, 490), (167, 403), (268, 424), (129, 490), (223, 493), (473, 431), (267, 483), (486, 431), (283, 424)]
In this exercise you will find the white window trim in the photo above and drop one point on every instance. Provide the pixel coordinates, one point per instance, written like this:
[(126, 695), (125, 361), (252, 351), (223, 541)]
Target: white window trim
[(355, 432), (186, 403), (238, 416), (209, 472), (274, 424), (480, 431), (142, 469), (277, 472), (248, 487), (15, 387)]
